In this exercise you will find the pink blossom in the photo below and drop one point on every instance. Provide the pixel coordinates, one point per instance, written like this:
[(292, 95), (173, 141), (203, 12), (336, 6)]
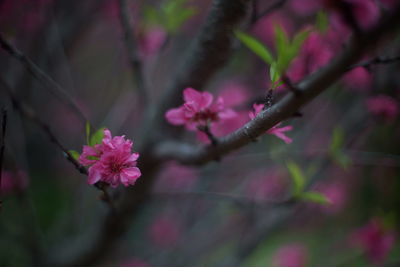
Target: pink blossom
[(314, 54), (305, 7), (383, 106), (111, 161), (176, 177), (266, 185), (336, 193), (358, 79), (151, 40), (365, 12), (199, 109), (375, 240), (13, 182), (135, 263), (164, 231), (234, 95), (278, 132), (264, 29), (293, 255)]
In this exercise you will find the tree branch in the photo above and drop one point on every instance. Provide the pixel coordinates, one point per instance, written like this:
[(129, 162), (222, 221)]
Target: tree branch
[(286, 107), (375, 61), (2, 147), (132, 49), (28, 113), (41, 76)]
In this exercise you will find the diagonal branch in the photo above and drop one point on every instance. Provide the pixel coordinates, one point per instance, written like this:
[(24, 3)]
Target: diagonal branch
[(41, 76), (376, 61), (2, 145), (28, 113), (132, 49), (285, 108)]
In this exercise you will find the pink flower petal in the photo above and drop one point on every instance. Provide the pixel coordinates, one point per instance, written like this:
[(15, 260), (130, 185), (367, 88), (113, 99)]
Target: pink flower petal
[(175, 116)]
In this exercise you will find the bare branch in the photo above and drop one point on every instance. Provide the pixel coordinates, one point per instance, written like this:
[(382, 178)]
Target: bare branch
[(278, 4), (28, 113), (41, 76), (375, 61), (132, 49), (2, 145)]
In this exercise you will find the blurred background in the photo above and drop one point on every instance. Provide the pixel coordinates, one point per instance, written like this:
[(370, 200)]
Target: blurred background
[(234, 212)]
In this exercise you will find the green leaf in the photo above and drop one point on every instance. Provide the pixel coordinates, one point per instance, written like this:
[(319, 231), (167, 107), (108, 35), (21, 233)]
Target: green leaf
[(152, 16), (298, 178), (255, 46), (97, 137), (281, 43), (314, 197), (297, 42), (75, 154), (337, 140), (322, 21), (274, 74), (175, 14), (87, 128), (342, 159), (174, 22)]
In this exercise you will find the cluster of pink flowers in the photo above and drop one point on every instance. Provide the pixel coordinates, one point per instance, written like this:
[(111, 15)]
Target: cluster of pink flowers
[(374, 240), (199, 110), (383, 106), (111, 161), (278, 132)]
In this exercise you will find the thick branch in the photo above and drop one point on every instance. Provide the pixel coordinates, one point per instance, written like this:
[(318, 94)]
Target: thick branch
[(41, 76), (132, 49), (284, 109)]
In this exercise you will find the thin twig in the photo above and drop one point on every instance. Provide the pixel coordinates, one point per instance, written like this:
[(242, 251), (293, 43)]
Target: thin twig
[(278, 4), (132, 49), (375, 61), (206, 129), (2, 147), (28, 113), (41, 76)]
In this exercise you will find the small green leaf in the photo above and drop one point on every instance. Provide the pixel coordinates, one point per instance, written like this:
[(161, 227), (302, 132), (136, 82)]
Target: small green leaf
[(255, 46), (322, 21), (97, 137), (151, 15), (314, 197), (298, 178), (274, 73), (297, 42), (281, 43), (337, 140), (75, 155), (87, 128), (342, 159)]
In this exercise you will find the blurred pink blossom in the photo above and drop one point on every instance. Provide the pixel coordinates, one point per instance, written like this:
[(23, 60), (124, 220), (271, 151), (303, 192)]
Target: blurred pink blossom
[(13, 182), (305, 7), (164, 231), (292, 255), (198, 110), (374, 240), (278, 132), (315, 53), (383, 106), (365, 12), (135, 263), (264, 29), (111, 161), (266, 185), (358, 79), (336, 193), (151, 40), (176, 177)]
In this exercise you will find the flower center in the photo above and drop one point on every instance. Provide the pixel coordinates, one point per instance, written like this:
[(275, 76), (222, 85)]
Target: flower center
[(205, 115)]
